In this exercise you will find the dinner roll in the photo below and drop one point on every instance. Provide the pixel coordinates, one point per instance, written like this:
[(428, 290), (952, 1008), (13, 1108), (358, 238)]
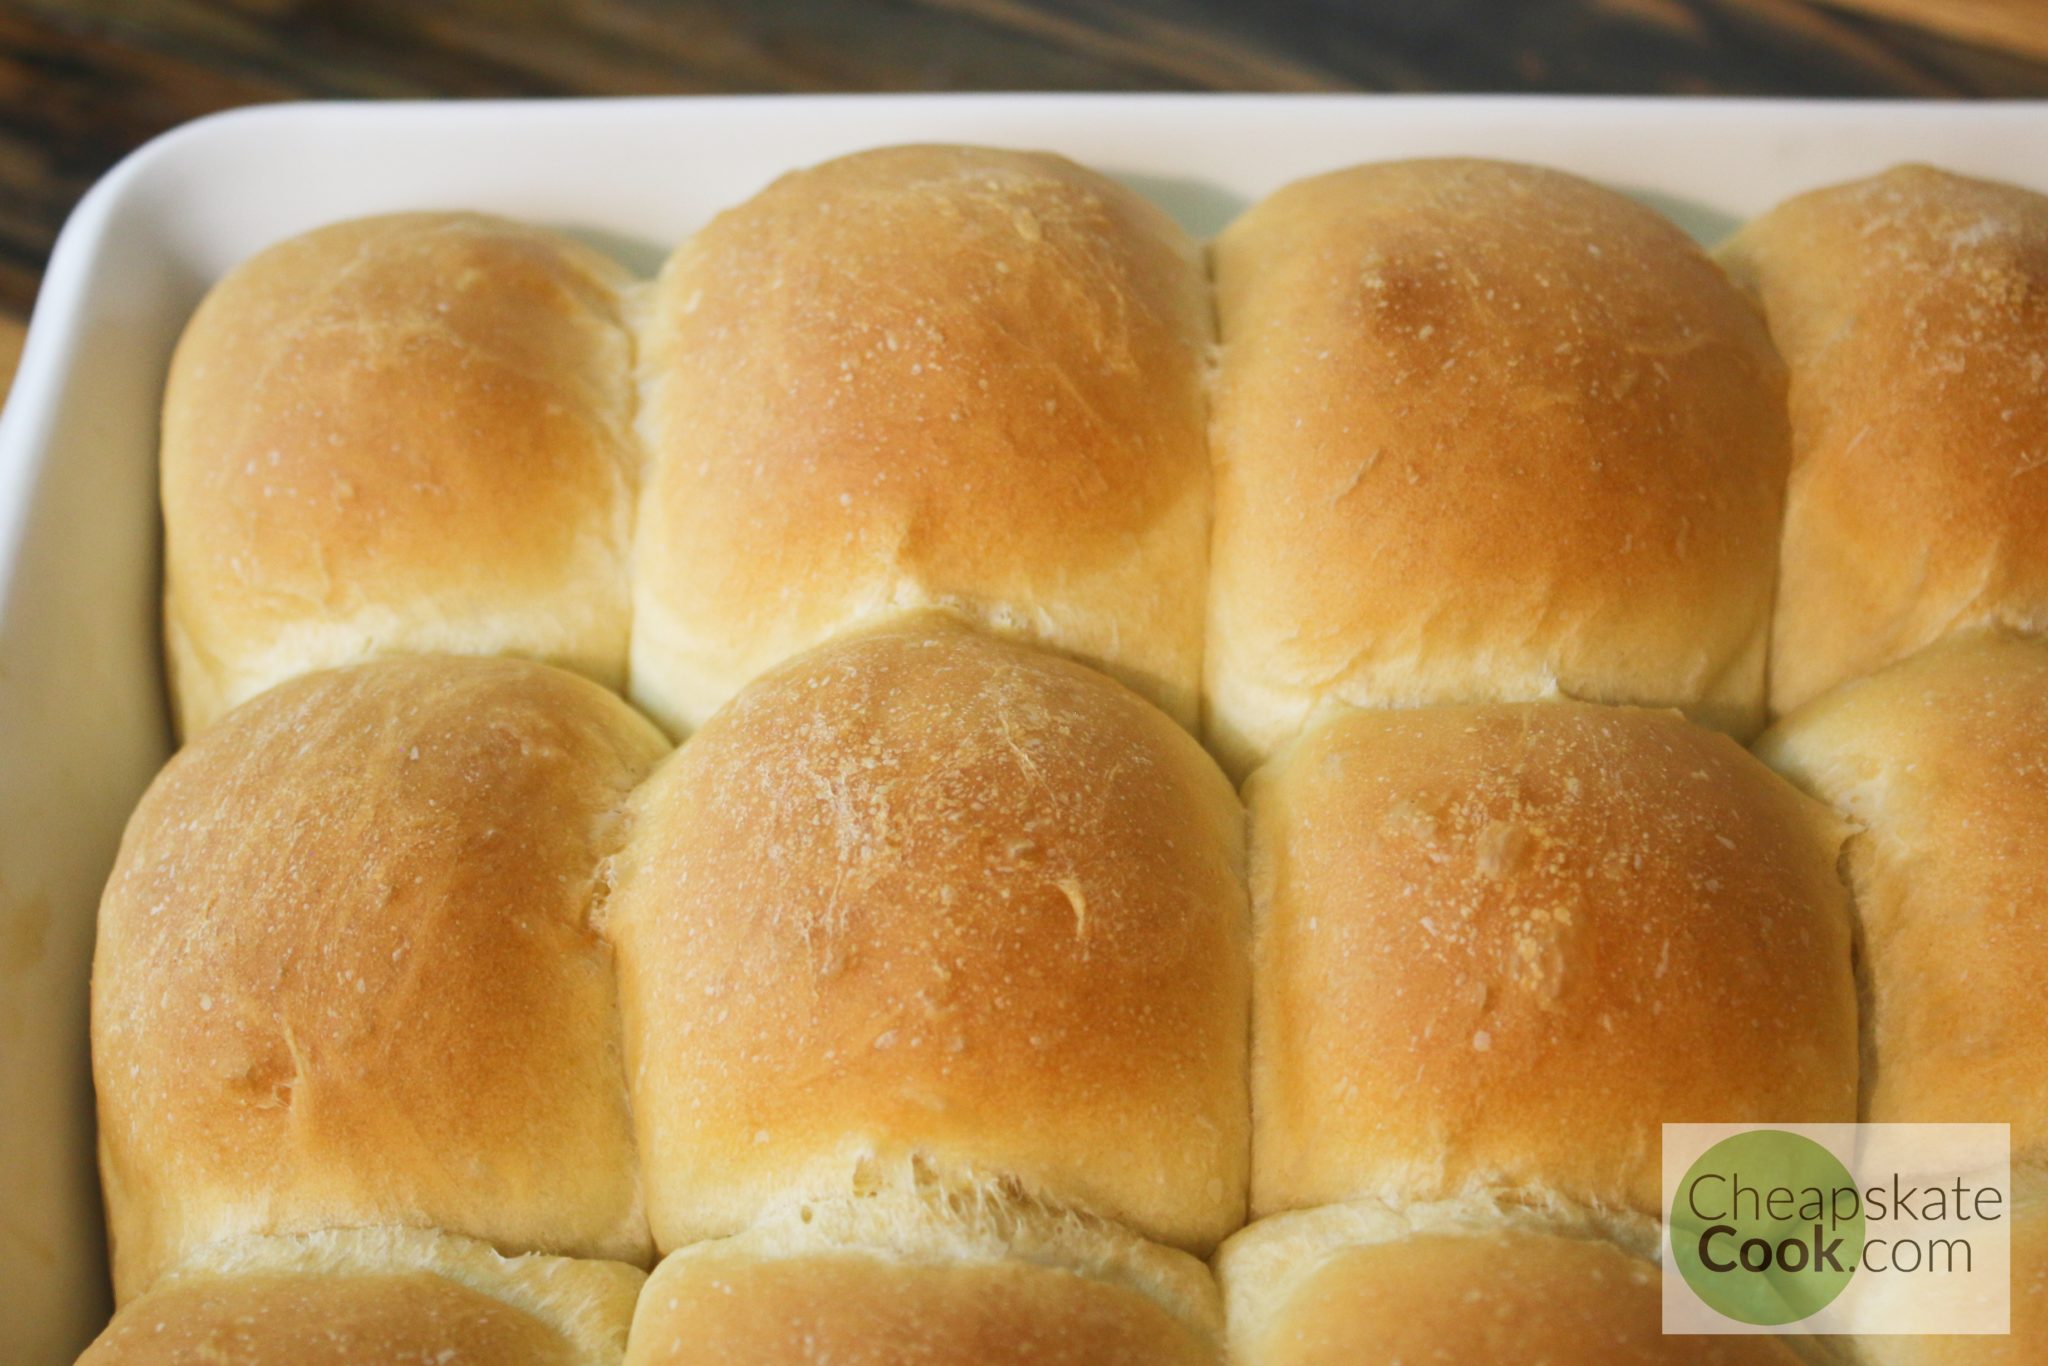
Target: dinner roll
[(1502, 945), (1912, 309), (398, 435), (927, 902), (1483, 433), (2026, 1341), (1477, 1280), (384, 1295), (925, 376), (344, 973), (1943, 761), (922, 1276)]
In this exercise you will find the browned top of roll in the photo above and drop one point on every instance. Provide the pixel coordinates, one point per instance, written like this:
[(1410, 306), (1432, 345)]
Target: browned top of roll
[(1912, 308), (400, 433), (344, 973), (928, 899), (395, 1297), (1484, 432), (324, 1321), (1367, 1286), (1943, 760), (925, 376), (860, 1310), (1503, 945), (887, 1281)]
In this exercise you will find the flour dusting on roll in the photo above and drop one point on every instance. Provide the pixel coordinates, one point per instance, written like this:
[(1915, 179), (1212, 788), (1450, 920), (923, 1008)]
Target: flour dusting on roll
[(1501, 946), (1912, 308), (345, 973), (1484, 433), (1940, 762), (926, 901), (925, 376), (398, 435)]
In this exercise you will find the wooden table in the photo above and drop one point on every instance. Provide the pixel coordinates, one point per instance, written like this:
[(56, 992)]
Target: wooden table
[(84, 81)]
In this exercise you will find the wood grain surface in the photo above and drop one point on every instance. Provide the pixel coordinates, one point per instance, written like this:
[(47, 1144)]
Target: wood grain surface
[(13, 331), (82, 82), (2021, 25)]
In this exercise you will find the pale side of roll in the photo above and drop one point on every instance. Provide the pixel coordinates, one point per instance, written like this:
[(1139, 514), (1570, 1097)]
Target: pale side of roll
[(922, 376), (398, 435), (1943, 762), (924, 1273), (2026, 1340), (392, 1296), (924, 899), (1484, 432), (1501, 946), (1912, 308), (1485, 1278), (345, 974)]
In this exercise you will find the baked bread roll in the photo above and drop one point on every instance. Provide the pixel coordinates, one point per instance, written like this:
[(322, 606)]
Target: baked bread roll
[(925, 901), (344, 973), (1484, 433), (1912, 309), (398, 435), (1477, 1280), (1503, 945), (2026, 1339), (385, 1295), (925, 376), (1940, 760), (880, 1281)]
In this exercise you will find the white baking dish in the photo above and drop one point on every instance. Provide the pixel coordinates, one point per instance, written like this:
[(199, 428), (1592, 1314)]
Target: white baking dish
[(82, 723)]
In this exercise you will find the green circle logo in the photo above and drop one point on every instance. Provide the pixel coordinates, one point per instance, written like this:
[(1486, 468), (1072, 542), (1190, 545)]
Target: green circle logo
[(1767, 1227)]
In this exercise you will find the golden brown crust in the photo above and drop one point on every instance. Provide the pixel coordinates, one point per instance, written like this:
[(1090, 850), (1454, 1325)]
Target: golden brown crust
[(399, 434), (925, 376), (918, 1281), (1940, 760), (859, 1309), (322, 1320), (1502, 945), (389, 1296), (344, 973), (1371, 1286), (1912, 308), (1483, 432), (924, 900)]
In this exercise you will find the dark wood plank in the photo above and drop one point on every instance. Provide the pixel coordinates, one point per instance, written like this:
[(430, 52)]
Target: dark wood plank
[(2015, 25), (12, 332), (82, 82)]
